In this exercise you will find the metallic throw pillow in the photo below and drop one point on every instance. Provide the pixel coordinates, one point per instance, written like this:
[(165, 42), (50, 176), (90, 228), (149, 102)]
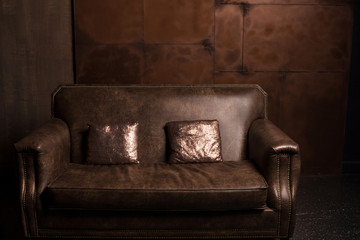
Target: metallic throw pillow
[(112, 144), (194, 141)]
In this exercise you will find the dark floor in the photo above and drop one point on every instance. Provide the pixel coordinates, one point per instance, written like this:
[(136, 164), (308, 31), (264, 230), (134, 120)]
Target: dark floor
[(328, 208)]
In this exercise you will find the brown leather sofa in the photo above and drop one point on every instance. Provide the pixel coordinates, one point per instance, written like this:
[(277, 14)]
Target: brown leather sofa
[(251, 194)]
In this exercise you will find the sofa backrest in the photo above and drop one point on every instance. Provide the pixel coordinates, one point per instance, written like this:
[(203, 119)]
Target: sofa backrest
[(234, 106)]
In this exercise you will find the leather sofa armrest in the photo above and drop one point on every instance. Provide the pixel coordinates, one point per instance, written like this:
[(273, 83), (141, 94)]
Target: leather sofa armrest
[(42, 156), (49, 147), (278, 158)]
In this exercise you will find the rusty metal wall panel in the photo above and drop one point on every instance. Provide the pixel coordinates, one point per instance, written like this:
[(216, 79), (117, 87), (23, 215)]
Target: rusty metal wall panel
[(228, 37), (275, 43), (187, 64), (108, 21), (298, 38), (109, 63), (314, 112), (109, 36), (176, 21)]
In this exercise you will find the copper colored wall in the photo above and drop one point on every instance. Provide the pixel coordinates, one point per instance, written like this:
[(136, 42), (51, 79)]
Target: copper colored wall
[(298, 51)]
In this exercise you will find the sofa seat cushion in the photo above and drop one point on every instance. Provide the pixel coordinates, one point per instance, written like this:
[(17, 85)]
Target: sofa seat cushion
[(161, 186)]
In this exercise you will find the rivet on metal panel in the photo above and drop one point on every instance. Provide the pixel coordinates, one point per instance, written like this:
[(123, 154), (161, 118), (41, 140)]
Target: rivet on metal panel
[(208, 46)]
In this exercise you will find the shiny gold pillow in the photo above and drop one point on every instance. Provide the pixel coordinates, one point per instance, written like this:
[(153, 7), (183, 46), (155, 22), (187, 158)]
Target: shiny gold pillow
[(194, 141), (112, 144)]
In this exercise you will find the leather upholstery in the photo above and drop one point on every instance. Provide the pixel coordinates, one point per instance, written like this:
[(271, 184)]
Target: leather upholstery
[(161, 186), (278, 159), (153, 106), (42, 155), (60, 195), (165, 224)]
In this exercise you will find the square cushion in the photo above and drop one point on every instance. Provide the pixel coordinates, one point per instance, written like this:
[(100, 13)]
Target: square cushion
[(112, 144), (194, 141), (150, 187)]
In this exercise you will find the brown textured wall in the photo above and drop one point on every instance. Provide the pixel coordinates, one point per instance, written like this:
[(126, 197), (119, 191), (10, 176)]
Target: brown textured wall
[(35, 57), (298, 51)]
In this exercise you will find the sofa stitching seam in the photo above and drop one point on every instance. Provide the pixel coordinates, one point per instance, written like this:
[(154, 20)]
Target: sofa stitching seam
[(289, 190), (34, 197), (24, 195), (35, 215), (279, 193)]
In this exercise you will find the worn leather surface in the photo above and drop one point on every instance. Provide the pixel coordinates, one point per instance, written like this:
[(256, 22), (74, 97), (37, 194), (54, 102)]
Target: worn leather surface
[(194, 141), (110, 143), (153, 106), (50, 144), (162, 186), (211, 224), (43, 155), (44, 159), (278, 159)]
